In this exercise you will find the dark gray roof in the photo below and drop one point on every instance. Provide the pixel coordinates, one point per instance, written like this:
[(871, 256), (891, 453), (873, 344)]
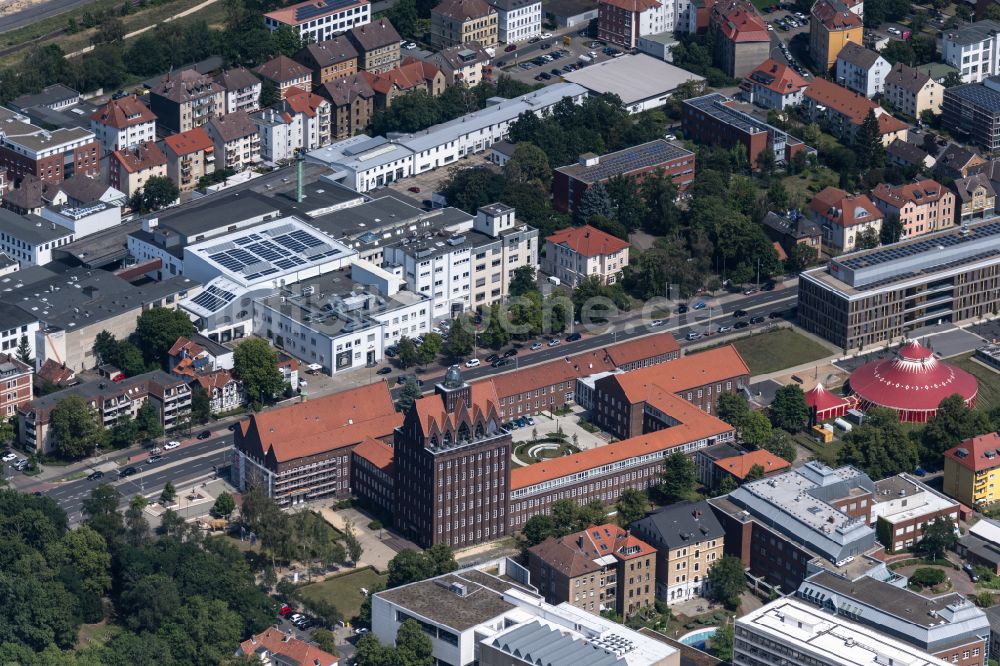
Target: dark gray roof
[(973, 33), (719, 451), (965, 187), (679, 525), (907, 78), (625, 161), (56, 94), (985, 550), (858, 56), (566, 8), (434, 599), (907, 152), (83, 189), (105, 387), (369, 216), (103, 248), (545, 645), (5, 261), (317, 196), (232, 126), (217, 212), (328, 52), (12, 316), (31, 229), (978, 95), (508, 5), (374, 35), (800, 227), (236, 79)]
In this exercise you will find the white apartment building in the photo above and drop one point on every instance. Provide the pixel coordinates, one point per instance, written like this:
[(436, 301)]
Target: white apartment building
[(242, 89), (319, 20), (502, 248), (518, 20), (973, 50), (236, 140), (122, 123), (862, 70), (341, 322), (572, 255), (439, 267), (280, 134), (770, 635), (363, 163), (30, 239)]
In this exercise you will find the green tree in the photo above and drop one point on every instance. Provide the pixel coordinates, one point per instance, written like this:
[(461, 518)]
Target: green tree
[(938, 538), (868, 142), (261, 515), (892, 229), (732, 408), (632, 505), (110, 30), (678, 477), (157, 329), (403, 16), (722, 641), (129, 359), (407, 352), (351, 543), (727, 485), (255, 362), (201, 407), (867, 239), (369, 652), (413, 646), (7, 430), (591, 513), (789, 410), (409, 393), (522, 282), (286, 41), (754, 429), (595, 202), (801, 257), (430, 348), (75, 428), (782, 445), (158, 192), (136, 525), (727, 581), (169, 494), (469, 189), (630, 207), (497, 332), (224, 505), (442, 558), (125, 432), (409, 566), (269, 94), (460, 337), (879, 446), (325, 639), (529, 165), (105, 348), (928, 577), (147, 421), (23, 350), (755, 473), (538, 528), (952, 423), (86, 553)]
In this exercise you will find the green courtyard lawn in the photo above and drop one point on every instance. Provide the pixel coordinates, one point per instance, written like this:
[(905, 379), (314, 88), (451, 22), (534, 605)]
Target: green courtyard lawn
[(344, 591), (989, 381), (778, 349)]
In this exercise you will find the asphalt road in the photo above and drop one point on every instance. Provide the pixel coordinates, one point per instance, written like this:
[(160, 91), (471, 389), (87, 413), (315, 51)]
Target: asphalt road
[(34, 13), (191, 463), (704, 321)]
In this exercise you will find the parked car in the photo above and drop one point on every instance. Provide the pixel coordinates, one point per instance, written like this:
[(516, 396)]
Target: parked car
[(409, 45), (536, 346), (509, 353), (510, 47), (128, 471), (205, 434), (725, 329), (655, 323), (8, 457), (682, 309), (492, 357), (573, 337), (285, 610), (530, 420), (95, 475), (670, 137), (554, 342), (173, 444), (501, 362), (383, 371), (472, 363), (700, 305), (740, 324), (546, 35), (693, 335), (894, 31)]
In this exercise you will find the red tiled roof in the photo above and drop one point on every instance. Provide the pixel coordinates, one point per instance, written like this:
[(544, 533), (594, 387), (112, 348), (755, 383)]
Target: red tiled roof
[(55, 372), (777, 77), (833, 19), (976, 449), (918, 192), (553, 372), (215, 380), (377, 452), (300, 101), (146, 155), (483, 403), (694, 425), (851, 105), (707, 367), (464, 10), (184, 344), (326, 423), (276, 641), (739, 466), (742, 25), (189, 142), (649, 346), (411, 74), (124, 112), (588, 241), (843, 209), (575, 554)]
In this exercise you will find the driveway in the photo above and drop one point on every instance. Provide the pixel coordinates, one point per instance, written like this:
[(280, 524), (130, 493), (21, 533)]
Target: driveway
[(545, 423), (376, 548)]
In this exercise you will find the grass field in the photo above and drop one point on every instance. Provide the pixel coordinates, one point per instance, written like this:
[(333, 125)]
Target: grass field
[(778, 349), (989, 381), (344, 592)]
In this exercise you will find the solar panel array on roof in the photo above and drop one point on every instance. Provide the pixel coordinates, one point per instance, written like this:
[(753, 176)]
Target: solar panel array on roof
[(631, 159), (896, 261), (314, 9), (268, 252), (213, 299)]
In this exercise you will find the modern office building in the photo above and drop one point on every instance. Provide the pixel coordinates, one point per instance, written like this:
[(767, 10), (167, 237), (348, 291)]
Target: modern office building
[(688, 539), (52, 156), (318, 20), (713, 119), (948, 626), (602, 568), (904, 506), (881, 295), (973, 111), (302, 452), (475, 617), (789, 626)]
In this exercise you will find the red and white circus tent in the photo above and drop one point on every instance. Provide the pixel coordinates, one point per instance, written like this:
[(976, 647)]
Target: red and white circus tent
[(824, 405), (913, 383)]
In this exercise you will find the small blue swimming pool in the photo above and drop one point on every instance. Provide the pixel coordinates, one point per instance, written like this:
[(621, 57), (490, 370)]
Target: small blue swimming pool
[(698, 637)]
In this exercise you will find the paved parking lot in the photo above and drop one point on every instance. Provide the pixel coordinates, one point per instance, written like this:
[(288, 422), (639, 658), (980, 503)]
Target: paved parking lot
[(432, 181), (545, 423), (519, 66)]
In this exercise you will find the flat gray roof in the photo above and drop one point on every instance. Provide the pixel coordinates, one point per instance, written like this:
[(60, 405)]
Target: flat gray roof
[(104, 247), (216, 212), (31, 229), (385, 212), (634, 78), (435, 600)]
